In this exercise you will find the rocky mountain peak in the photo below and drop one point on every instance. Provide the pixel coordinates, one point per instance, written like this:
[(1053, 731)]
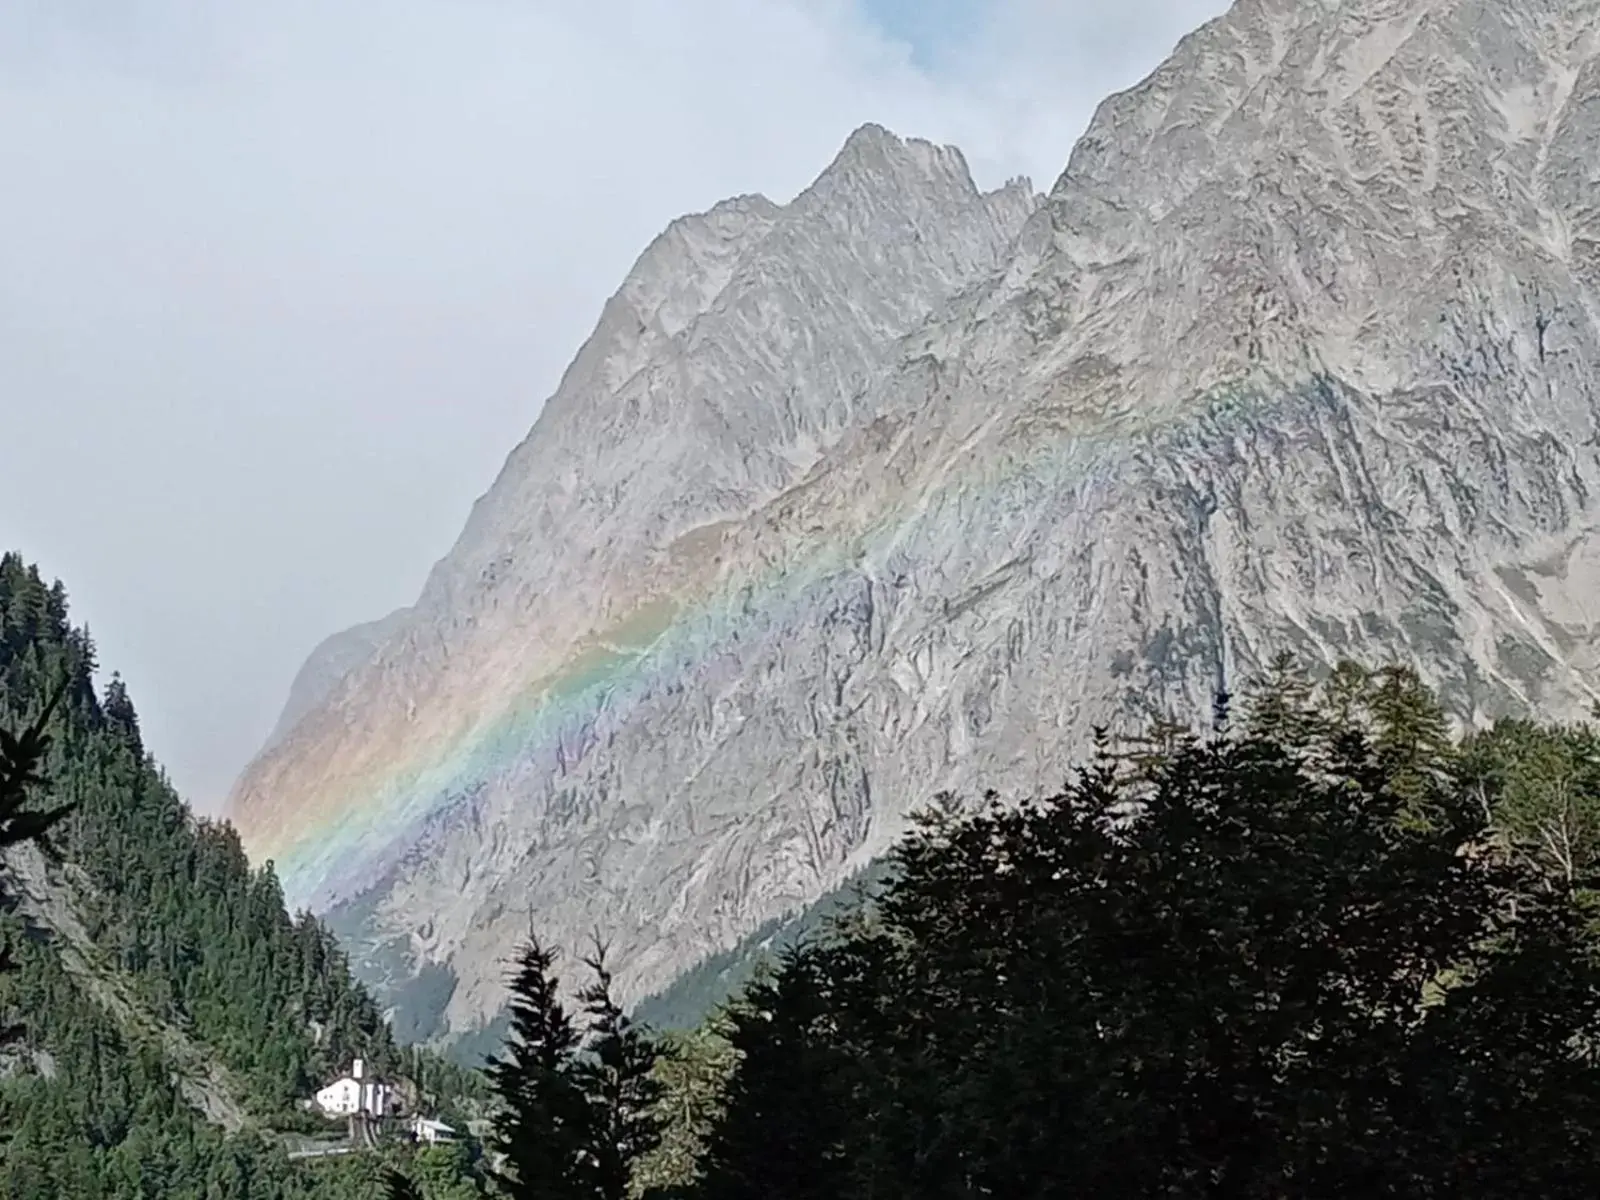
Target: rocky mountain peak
[(901, 488), (740, 346), (874, 152)]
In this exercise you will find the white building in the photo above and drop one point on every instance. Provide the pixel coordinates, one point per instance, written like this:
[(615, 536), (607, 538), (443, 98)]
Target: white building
[(355, 1093), (425, 1129)]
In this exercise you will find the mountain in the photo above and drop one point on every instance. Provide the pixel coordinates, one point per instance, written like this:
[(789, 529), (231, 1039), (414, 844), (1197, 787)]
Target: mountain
[(903, 488), (738, 351), (174, 1015), (329, 663), (683, 1005)]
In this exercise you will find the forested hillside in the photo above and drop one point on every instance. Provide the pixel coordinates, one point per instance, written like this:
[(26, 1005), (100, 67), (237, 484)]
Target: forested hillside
[(173, 1013)]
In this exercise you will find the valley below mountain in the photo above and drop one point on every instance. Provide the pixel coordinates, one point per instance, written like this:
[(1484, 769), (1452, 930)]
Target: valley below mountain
[(904, 488)]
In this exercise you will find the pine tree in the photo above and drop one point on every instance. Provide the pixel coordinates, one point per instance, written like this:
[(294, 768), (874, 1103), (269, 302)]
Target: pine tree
[(617, 1075), (543, 1124)]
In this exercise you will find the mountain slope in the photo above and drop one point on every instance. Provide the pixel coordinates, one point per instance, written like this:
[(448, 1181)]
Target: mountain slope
[(48, 899), (174, 1014), (738, 350), (329, 663), (685, 1003), (1300, 350)]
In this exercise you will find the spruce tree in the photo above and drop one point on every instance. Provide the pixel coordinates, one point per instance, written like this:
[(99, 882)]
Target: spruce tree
[(617, 1075), (1411, 737), (1281, 705), (543, 1125)]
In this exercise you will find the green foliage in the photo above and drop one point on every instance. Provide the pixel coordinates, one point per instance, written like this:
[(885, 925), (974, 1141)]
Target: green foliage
[(20, 756), (20, 759), (617, 1075), (1540, 787), (541, 1122), (693, 1071), (1318, 953), (786, 1127), (91, 1101), (693, 997), (176, 904), (1326, 949), (578, 1112), (455, 1094), (445, 1172)]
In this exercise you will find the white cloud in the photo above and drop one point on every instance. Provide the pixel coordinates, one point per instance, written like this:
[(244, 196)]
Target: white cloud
[(284, 282)]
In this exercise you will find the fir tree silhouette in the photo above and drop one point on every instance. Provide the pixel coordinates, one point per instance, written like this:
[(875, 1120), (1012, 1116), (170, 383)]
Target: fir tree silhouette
[(542, 1128), (21, 759), (617, 1075)]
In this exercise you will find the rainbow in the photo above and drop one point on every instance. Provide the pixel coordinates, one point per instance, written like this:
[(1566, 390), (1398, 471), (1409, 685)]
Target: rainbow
[(384, 811)]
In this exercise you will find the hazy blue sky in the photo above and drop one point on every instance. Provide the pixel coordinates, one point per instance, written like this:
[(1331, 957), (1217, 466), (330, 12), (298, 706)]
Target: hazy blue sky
[(931, 29), (282, 283)]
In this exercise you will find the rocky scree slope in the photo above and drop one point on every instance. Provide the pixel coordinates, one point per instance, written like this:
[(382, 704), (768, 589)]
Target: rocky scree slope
[(1300, 351)]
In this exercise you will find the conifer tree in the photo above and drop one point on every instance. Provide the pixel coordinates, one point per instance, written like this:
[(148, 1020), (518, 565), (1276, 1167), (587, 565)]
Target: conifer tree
[(20, 775), (196, 939), (617, 1075), (784, 1125), (1411, 737), (543, 1124), (120, 714), (1268, 963), (1281, 705), (694, 1069)]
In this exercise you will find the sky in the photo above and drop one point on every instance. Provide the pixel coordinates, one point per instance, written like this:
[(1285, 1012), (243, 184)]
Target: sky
[(282, 284)]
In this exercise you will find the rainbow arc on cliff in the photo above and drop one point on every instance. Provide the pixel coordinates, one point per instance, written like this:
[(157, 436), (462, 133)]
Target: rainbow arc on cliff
[(352, 845)]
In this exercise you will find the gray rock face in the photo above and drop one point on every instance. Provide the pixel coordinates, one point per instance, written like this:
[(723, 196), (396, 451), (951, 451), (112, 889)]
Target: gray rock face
[(328, 665), (902, 488)]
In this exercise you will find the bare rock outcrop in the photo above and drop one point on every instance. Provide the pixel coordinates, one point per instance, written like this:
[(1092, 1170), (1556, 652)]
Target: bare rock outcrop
[(903, 487)]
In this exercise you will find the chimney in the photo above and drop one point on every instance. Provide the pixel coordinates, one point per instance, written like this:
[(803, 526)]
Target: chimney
[(355, 1069)]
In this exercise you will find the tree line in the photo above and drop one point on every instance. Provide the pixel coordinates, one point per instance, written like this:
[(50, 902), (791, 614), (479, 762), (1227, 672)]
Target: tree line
[(1324, 947)]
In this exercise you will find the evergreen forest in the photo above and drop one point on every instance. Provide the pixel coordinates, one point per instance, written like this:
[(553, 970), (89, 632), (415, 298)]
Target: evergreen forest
[(161, 1052)]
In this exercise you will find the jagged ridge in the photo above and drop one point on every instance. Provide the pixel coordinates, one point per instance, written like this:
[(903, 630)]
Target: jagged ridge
[(1301, 349)]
